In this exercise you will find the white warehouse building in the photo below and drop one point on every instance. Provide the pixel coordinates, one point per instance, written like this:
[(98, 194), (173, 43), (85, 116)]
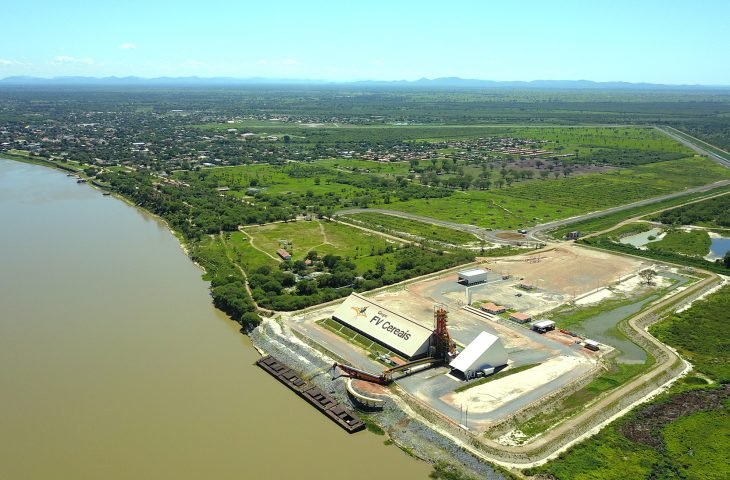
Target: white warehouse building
[(472, 277), (392, 330), (484, 352)]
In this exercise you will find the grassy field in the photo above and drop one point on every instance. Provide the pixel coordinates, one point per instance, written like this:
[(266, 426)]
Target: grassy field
[(699, 334), (396, 225), (605, 222), (298, 238), (617, 375), (683, 433), (538, 201), (695, 243)]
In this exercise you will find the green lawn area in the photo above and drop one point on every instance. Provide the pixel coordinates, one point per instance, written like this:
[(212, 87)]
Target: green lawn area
[(490, 209), (695, 243), (396, 225), (323, 237)]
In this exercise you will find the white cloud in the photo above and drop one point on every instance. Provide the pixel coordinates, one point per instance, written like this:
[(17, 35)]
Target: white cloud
[(128, 46), (65, 59), (192, 64), (286, 62), (4, 62)]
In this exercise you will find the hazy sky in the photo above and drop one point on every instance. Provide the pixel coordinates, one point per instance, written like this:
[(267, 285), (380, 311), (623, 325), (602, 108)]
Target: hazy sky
[(660, 41)]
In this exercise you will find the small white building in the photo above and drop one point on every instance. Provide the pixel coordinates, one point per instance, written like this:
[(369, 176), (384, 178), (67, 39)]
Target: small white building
[(543, 326), (472, 277), (484, 352)]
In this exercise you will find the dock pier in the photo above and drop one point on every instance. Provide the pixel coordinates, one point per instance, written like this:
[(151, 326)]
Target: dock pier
[(312, 394)]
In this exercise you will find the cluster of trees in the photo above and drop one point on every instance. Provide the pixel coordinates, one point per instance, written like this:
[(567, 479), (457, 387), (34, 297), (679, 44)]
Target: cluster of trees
[(384, 187), (336, 277), (713, 212), (227, 285), (194, 210), (627, 157)]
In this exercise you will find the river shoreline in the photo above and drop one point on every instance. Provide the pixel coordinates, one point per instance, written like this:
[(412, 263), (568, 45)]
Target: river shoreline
[(122, 363)]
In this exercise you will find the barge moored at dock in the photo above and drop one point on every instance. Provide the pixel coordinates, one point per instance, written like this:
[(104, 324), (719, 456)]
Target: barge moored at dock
[(312, 394)]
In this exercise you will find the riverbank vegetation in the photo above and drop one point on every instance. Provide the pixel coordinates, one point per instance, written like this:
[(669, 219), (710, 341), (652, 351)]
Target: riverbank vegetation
[(693, 243), (684, 432), (211, 161)]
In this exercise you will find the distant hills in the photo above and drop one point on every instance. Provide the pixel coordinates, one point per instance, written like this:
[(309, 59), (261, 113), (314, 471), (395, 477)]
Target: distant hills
[(444, 82)]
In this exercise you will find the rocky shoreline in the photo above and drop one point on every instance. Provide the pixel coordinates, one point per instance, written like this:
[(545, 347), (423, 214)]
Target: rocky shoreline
[(411, 435)]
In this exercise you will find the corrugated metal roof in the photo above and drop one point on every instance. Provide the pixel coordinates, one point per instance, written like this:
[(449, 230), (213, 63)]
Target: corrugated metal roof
[(397, 332)]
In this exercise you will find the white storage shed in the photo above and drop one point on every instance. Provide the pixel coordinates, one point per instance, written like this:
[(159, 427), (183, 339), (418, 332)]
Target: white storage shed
[(483, 352), (472, 277)]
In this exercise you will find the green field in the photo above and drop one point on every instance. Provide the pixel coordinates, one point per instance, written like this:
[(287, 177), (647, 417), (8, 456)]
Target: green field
[(699, 335), (695, 243), (299, 238), (539, 201), (397, 226), (685, 432), (607, 221), (711, 213)]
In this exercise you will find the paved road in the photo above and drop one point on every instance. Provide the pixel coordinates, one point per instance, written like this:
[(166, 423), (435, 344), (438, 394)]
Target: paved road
[(534, 234), (696, 146), (550, 439), (539, 229), (480, 232)]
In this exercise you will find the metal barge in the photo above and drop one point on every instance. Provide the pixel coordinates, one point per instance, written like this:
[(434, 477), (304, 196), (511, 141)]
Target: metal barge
[(312, 394)]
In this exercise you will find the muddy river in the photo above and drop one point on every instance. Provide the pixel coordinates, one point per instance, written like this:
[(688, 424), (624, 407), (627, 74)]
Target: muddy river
[(116, 366)]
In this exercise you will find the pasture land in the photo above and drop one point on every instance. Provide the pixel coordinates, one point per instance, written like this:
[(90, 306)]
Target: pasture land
[(605, 222), (412, 228), (326, 238)]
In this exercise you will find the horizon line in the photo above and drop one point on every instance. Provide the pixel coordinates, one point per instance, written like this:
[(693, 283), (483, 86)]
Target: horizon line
[(262, 79)]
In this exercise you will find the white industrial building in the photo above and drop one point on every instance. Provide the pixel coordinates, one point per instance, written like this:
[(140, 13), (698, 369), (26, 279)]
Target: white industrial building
[(543, 326), (392, 330), (484, 352), (472, 277)]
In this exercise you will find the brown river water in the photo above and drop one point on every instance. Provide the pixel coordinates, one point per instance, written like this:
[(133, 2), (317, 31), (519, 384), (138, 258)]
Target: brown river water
[(115, 365)]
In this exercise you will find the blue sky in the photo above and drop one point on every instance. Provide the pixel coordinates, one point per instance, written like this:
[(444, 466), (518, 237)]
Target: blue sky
[(667, 41)]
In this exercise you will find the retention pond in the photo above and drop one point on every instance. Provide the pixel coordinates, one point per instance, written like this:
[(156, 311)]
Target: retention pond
[(603, 327)]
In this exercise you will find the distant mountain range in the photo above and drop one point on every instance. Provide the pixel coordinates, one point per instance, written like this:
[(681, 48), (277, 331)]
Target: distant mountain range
[(444, 82)]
